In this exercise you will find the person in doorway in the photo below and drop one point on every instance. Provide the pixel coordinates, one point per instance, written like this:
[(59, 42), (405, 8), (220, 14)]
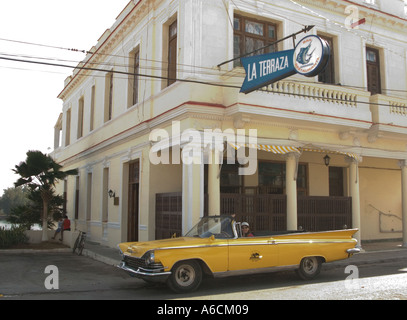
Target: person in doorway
[(246, 230), (66, 226), (59, 229)]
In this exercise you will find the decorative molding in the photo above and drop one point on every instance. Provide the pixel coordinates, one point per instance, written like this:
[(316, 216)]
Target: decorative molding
[(402, 164)]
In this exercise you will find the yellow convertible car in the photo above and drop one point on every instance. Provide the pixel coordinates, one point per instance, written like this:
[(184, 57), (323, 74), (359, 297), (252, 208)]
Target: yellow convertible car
[(215, 247)]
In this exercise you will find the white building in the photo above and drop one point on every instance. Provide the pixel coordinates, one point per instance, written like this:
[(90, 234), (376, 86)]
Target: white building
[(157, 68)]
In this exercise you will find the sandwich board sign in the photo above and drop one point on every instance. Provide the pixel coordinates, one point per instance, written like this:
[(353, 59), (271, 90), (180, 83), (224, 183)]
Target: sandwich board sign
[(309, 57)]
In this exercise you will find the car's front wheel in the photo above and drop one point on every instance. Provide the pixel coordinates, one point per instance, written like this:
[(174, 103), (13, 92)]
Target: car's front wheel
[(186, 276), (309, 268)]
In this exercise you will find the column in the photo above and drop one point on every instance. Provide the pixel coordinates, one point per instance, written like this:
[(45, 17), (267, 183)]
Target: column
[(403, 166), (291, 189), (354, 193), (192, 190), (213, 184)]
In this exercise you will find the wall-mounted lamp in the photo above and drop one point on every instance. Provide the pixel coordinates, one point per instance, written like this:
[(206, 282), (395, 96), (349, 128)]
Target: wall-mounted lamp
[(111, 193), (327, 159)]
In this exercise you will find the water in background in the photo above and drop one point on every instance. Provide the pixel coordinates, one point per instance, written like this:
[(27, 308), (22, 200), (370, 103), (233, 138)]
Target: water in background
[(4, 224)]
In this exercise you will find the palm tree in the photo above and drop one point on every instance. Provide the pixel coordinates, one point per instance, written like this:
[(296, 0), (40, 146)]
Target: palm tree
[(40, 172)]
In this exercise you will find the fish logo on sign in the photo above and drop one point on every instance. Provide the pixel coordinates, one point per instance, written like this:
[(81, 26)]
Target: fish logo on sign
[(311, 55), (303, 57), (309, 58)]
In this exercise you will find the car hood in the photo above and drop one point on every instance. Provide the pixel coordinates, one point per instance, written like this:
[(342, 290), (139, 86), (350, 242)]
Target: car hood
[(137, 249)]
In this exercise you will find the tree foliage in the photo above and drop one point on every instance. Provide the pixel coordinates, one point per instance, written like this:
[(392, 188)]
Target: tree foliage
[(13, 197), (39, 172), (30, 213)]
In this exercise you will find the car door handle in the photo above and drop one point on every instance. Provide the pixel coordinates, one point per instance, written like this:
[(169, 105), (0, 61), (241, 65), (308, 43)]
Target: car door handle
[(271, 242)]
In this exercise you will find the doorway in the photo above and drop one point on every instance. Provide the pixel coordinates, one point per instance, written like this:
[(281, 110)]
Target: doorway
[(336, 182), (133, 208)]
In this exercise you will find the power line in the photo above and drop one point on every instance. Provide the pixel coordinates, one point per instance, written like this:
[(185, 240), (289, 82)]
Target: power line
[(180, 67), (118, 72), (98, 53), (186, 80), (211, 71)]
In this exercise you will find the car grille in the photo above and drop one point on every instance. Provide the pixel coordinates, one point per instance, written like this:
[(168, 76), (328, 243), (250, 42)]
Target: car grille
[(135, 263)]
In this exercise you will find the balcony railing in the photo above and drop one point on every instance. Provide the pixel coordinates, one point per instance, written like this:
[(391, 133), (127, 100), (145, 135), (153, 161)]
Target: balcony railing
[(310, 101), (389, 110)]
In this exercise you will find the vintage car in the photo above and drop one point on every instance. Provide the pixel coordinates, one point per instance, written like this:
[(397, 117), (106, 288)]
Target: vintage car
[(215, 247)]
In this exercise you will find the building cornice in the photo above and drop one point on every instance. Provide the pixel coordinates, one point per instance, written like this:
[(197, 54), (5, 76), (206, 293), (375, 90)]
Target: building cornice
[(109, 40), (214, 112), (380, 17)]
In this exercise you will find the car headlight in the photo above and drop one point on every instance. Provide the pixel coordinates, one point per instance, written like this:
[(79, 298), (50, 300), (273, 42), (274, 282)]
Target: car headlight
[(149, 257)]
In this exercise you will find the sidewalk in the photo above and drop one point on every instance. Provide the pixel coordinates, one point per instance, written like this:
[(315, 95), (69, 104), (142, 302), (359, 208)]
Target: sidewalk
[(373, 252), (102, 253)]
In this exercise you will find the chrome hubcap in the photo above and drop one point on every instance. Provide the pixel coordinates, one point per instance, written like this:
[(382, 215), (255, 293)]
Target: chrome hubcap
[(185, 275), (310, 265)]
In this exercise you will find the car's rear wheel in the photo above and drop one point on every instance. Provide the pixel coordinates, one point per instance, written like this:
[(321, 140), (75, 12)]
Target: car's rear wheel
[(186, 276), (309, 268)]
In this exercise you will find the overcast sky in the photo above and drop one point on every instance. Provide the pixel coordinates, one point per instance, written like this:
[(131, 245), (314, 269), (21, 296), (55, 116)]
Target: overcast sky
[(28, 92)]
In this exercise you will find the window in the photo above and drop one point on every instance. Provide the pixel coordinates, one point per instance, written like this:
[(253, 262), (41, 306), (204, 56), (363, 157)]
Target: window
[(230, 180), (251, 34), (373, 70), (77, 198), (65, 196), (328, 74), (80, 118), (89, 197), (108, 96), (405, 7), (272, 178), (336, 182), (68, 128), (172, 53), (57, 132), (373, 2), (105, 189), (92, 109), (134, 78)]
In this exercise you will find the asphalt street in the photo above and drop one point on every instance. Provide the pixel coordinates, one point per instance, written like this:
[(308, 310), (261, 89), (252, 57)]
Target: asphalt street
[(62, 275)]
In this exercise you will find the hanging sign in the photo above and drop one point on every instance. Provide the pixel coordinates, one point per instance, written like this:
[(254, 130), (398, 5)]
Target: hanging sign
[(264, 69), (309, 57)]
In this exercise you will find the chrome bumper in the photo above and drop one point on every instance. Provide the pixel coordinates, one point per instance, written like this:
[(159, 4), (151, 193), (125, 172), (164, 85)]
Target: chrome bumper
[(145, 273), (353, 250)]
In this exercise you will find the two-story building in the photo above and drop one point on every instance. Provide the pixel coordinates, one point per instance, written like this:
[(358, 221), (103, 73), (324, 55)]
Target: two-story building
[(153, 116)]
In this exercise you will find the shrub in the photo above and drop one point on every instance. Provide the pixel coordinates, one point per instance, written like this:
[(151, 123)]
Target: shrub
[(12, 237)]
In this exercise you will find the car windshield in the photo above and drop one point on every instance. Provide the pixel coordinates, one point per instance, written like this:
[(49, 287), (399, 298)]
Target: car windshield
[(220, 227)]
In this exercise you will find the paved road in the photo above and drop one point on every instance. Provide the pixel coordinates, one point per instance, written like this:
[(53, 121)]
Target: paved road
[(24, 276)]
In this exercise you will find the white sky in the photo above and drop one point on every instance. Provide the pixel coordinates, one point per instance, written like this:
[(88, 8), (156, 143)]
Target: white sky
[(28, 92)]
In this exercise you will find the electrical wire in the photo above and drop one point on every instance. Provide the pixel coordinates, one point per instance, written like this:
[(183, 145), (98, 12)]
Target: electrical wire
[(203, 70), (186, 80), (180, 67), (118, 72), (237, 74)]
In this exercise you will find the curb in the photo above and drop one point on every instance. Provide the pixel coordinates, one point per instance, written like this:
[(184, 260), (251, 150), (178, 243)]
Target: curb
[(365, 258), (95, 256), (16, 251)]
